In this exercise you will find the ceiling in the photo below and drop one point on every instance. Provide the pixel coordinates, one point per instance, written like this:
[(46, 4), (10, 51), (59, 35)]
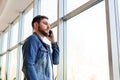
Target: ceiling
[(10, 9)]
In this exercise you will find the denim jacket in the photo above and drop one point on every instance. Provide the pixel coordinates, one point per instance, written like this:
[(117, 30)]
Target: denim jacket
[(37, 58)]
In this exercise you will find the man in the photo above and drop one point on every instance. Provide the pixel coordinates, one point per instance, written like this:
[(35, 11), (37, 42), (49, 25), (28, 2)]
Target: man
[(37, 58)]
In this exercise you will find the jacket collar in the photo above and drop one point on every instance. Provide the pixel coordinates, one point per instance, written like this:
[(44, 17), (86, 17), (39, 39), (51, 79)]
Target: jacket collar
[(44, 44)]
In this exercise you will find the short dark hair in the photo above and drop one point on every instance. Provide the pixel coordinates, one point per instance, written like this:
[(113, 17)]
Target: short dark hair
[(38, 18)]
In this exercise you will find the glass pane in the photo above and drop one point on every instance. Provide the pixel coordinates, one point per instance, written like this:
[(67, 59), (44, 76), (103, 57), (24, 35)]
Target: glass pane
[(5, 39), (14, 33), (73, 4), (3, 66), (87, 51), (49, 9), (27, 27), (13, 64)]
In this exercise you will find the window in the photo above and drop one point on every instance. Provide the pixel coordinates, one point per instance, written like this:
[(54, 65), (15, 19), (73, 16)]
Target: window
[(14, 33), (27, 27), (13, 65), (73, 4), (5, 39), (49, 9), (87, 52)]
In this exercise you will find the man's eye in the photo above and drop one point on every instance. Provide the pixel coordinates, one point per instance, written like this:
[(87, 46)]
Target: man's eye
[(45, 23)]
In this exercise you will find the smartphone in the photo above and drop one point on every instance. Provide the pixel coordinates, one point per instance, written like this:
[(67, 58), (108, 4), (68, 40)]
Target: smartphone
[(50, 32)]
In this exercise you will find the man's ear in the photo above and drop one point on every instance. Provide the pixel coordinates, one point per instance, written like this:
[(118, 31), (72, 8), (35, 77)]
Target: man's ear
[(35, 25)]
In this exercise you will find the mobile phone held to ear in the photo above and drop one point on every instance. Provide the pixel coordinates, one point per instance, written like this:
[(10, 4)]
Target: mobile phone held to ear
[(50, 32)]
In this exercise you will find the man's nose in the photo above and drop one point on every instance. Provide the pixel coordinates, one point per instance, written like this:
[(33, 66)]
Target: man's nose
[(48, 26)]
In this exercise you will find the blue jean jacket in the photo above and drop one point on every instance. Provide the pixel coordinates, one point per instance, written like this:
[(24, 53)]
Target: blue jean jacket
[(37, 58)]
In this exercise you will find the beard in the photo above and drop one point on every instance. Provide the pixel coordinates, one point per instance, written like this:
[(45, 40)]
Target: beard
[(42, 32)]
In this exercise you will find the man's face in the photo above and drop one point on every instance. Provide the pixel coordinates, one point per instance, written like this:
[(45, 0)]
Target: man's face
[(44, 27)]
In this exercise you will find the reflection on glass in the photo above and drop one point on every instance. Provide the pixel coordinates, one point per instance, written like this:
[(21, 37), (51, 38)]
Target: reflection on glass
[(3, 66), (87, 52), (14, 33), (27, 27), (73, 4), (13, 65), (5, 39), (49, 9)]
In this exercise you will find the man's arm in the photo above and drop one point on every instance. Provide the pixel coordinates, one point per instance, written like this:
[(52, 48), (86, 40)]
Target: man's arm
[(55, 53), (29, 54), (55, 49)]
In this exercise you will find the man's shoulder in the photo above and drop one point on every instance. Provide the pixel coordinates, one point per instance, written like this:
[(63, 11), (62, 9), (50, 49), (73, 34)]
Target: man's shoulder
[(32, 38)]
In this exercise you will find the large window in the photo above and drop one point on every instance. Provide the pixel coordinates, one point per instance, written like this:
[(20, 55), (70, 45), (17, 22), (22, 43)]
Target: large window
[(49, 9), (14, 33), (87, 52), (27, 19), (85, 38)]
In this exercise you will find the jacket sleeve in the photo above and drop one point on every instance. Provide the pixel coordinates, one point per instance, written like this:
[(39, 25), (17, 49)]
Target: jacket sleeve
[(55, 53), (29, 50)]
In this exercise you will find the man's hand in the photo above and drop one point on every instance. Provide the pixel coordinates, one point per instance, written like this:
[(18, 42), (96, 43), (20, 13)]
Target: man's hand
[(51, 38)]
